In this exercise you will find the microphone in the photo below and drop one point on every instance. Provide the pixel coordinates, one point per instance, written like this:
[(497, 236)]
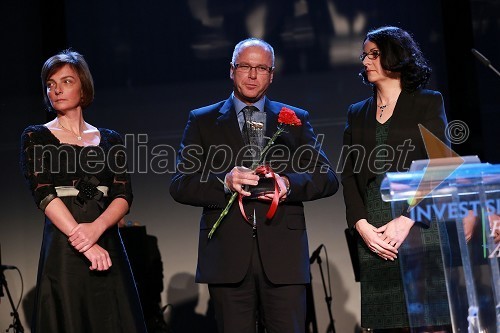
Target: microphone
[(484, 60), (315, 254), (481, 57), (5, 267)]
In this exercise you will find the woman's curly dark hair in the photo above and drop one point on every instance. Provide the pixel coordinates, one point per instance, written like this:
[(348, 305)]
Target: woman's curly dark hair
[(400, 53)]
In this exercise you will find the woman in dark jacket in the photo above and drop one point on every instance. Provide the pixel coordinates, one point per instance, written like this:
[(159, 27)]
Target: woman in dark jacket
[(382, 134)]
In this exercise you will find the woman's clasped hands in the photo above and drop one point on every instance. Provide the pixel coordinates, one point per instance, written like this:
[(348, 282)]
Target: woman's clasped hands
[(385, 240), (84, 238)]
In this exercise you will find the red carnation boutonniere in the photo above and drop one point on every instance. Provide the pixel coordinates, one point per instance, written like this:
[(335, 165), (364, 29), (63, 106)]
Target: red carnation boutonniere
[(286, 117)]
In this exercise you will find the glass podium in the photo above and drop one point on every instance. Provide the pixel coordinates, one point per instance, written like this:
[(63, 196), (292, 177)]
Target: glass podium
[(457, 200)]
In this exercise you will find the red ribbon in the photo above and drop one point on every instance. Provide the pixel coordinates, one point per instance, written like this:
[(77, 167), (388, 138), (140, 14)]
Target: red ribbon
[(263, 170)]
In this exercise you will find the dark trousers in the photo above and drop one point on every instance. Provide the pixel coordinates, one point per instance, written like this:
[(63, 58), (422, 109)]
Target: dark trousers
[(281, 308)]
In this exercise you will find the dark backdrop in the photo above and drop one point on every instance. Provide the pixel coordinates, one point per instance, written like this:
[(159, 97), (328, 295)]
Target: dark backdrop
[(153, 61)]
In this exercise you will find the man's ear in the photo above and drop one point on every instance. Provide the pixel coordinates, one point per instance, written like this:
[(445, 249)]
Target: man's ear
[(231, 71)]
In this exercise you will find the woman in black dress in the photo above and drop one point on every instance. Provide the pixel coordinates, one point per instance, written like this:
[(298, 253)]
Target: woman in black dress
[(385, 127), (77, 175)]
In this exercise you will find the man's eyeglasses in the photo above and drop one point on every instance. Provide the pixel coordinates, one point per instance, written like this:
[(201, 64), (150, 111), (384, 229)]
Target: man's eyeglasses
[(244, 68), (372, 55)]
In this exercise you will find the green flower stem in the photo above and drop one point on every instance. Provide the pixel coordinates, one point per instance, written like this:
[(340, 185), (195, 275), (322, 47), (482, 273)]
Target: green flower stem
[(235, 194), (224, 213), (268, 146)]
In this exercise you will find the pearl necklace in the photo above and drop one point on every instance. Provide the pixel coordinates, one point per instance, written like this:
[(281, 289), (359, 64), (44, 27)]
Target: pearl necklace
[(78, 137)]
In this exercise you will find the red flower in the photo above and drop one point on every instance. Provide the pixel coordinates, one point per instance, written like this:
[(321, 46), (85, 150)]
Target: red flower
[(288, 117)]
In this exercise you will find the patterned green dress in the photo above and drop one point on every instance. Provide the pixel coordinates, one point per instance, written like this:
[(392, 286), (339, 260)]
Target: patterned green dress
[(383, 302)]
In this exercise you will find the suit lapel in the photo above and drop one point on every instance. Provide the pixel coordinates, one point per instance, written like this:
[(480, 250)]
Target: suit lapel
[(227, 122), (370, 124), (401, 117), (272, 111)]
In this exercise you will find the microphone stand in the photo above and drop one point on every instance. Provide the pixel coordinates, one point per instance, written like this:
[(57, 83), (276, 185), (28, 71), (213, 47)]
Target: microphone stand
[(16, 323), (328, 299)]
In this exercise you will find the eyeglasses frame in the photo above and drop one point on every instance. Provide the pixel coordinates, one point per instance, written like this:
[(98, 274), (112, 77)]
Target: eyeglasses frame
[(372, 55), (268, 69)]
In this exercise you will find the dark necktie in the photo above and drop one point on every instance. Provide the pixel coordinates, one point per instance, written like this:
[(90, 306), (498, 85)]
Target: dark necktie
[(248, 115)]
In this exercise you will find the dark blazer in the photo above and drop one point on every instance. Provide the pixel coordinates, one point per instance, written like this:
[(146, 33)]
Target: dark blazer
[(423, 107), (211, 146)]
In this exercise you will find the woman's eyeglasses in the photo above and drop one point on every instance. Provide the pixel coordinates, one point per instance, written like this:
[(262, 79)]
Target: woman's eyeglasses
[(372, 55)]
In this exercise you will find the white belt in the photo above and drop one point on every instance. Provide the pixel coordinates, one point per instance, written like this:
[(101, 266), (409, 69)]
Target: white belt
[(71, 191)]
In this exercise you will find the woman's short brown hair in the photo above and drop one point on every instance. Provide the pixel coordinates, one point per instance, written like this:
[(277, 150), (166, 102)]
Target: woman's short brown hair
[(78, 63)]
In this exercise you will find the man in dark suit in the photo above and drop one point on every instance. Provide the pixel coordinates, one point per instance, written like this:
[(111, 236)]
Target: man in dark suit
[(262, 267)]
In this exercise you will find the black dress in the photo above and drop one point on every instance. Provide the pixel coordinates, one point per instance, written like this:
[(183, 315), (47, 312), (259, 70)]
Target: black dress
[(69, 296)]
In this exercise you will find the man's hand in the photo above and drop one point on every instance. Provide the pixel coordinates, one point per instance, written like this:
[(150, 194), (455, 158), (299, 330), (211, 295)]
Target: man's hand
[(240, 176), (283, 184)]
